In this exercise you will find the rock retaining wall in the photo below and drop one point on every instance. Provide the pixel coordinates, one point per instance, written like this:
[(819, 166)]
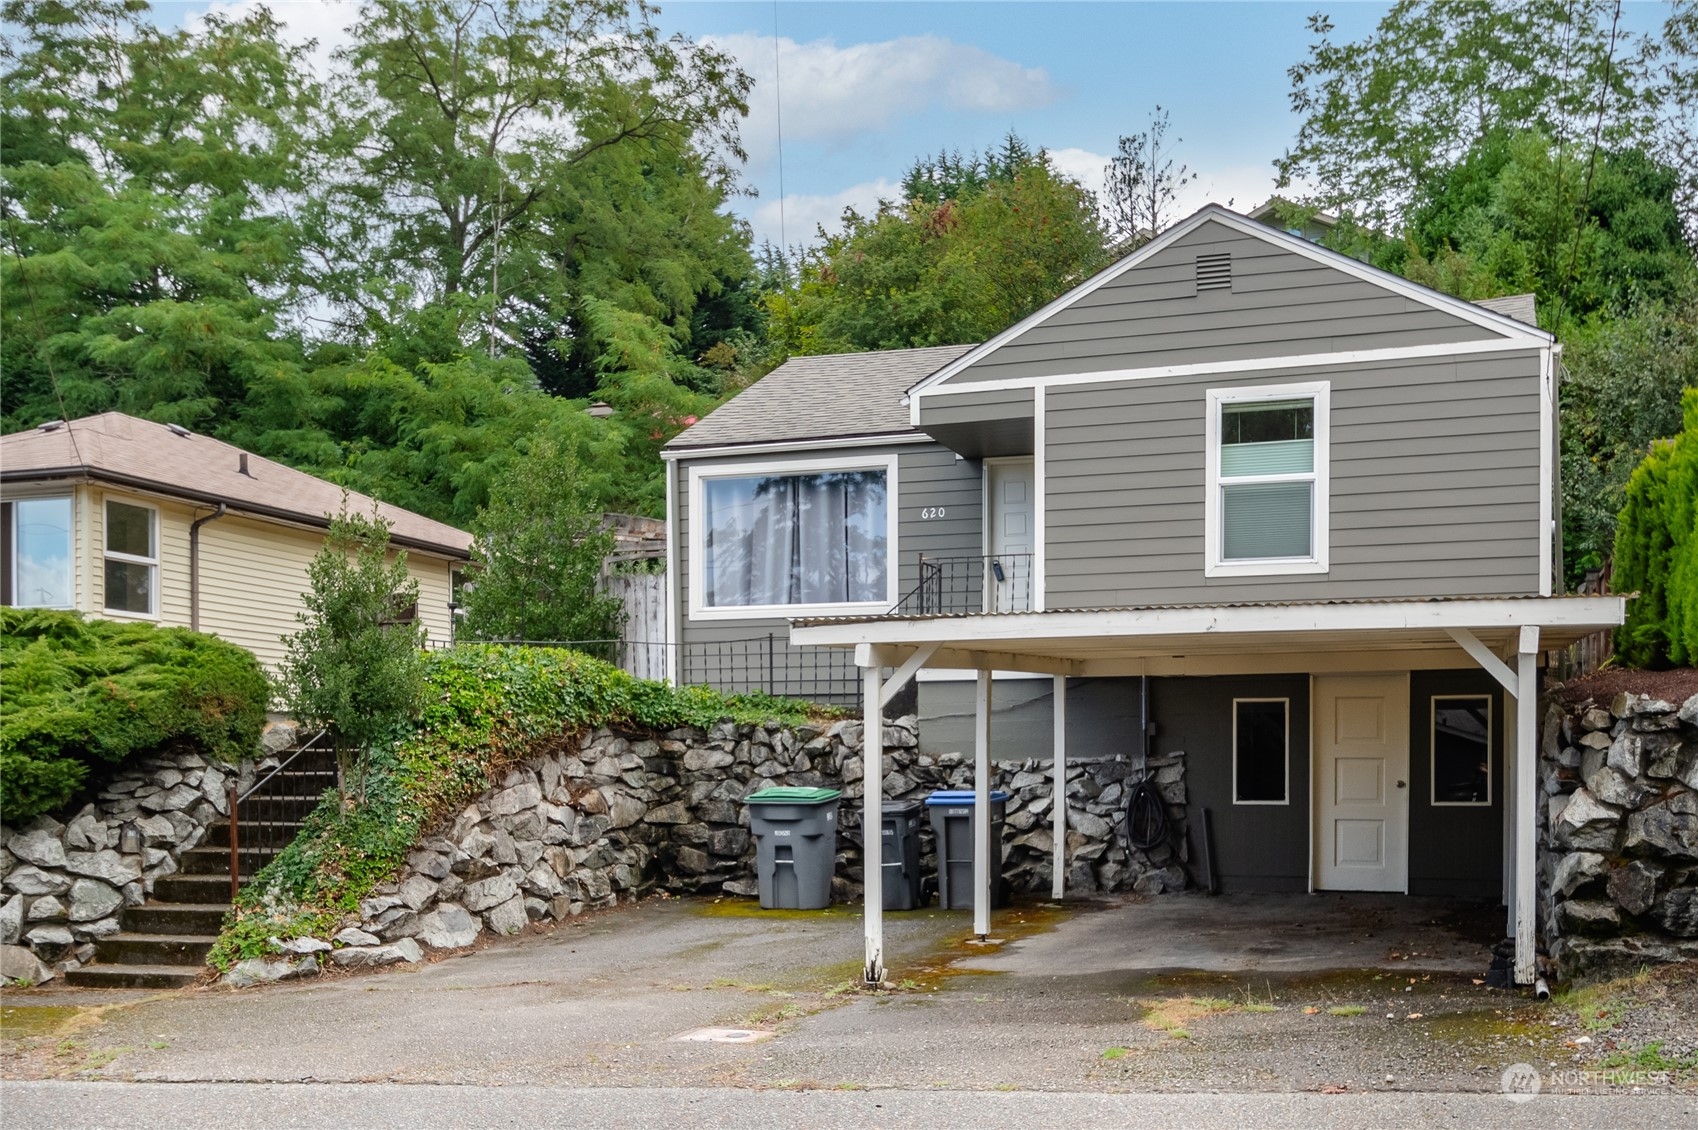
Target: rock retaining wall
[(627, 813), (1618, 853), (66, 884)]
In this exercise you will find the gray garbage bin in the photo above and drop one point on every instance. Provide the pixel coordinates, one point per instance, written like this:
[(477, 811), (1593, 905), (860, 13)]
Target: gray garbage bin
[(900, 855), (952, 824), (795, 834)]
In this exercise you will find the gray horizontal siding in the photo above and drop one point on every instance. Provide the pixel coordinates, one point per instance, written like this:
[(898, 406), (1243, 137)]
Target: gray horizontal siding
[(972, 408), (1434, 486), (734, 654), (1281, 304)]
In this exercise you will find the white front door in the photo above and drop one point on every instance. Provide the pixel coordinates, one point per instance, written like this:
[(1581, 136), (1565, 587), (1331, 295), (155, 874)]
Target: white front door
[(1362, 782), (1008, 572)]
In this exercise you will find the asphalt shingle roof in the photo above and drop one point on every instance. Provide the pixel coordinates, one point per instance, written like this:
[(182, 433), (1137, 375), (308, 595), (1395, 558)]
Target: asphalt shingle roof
[(1518, 306), (831, 396), (117, 448)]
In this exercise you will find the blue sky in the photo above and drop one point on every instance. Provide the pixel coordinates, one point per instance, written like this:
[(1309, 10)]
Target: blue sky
[(867, 87)]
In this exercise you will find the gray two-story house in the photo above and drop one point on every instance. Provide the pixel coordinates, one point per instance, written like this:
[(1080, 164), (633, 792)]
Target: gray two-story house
[(1237, 496)]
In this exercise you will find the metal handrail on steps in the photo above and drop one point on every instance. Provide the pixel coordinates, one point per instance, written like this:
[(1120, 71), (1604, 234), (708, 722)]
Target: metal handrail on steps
[(235, 800)]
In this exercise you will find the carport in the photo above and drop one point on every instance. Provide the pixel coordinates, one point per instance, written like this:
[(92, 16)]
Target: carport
[(1505, 636)]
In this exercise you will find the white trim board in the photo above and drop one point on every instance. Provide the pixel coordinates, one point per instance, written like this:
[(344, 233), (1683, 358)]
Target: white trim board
[(757, 447), (1467, 311), (1592, 613), (742, 468), (674, 598), (1355, 357)]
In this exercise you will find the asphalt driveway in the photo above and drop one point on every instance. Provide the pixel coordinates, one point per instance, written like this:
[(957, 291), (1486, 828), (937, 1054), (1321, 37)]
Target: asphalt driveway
[(1179, 993)]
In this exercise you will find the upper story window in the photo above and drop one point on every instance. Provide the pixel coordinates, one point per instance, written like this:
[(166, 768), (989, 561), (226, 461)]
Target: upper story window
[(39, 568), (132, 558), (808, 536), (1266, 508)]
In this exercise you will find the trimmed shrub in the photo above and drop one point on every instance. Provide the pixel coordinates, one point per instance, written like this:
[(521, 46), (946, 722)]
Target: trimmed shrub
[(487, 707), (1656, 552), (83, 696)]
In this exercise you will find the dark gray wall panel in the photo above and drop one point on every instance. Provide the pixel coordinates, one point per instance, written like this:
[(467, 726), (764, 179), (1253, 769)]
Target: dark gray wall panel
[(1455, 851), (1257, 847), (1102, 718)]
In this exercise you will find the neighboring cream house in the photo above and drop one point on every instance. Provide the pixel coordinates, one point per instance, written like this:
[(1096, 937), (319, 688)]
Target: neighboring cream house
[(132, 520)]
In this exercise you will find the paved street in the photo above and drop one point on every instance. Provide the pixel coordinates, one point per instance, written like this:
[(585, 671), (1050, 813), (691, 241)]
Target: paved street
[(1180, 1010)]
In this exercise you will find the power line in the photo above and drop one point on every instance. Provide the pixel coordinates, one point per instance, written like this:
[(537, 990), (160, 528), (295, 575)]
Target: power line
[(778, 113), (46, 353)]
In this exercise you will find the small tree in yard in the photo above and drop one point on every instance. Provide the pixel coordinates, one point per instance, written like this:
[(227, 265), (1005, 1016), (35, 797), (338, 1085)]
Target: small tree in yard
[(538, 555), (356, 666)]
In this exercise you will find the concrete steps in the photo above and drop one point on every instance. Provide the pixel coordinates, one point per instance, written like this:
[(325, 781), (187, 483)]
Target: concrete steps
[(164, 942)]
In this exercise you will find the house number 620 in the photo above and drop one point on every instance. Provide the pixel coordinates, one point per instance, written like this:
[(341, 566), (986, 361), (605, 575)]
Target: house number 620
[(931, 512)]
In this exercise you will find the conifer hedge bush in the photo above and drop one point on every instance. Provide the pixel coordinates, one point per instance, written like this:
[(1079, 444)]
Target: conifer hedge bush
[(82, 696), (1656, 552)]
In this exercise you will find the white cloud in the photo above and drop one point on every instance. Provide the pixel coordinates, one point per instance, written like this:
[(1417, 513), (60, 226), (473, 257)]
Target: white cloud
[(832, 92), (803, 214), (325, 21)]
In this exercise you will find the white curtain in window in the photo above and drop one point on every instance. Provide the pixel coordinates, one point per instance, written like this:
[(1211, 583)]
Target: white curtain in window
[(776, 540)]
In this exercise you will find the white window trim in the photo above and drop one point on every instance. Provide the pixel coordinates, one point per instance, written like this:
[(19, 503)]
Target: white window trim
[(71, 560), (1433, 751), (1285, 776), (157, 535), (737, 470), (1318, 562)]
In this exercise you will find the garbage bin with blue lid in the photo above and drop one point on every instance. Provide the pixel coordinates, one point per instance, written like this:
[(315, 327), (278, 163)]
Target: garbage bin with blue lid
[(952, 824), (900, 855), (795, 832)]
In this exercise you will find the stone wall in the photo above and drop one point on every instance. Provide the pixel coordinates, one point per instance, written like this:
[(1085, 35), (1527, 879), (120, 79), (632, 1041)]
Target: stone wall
[(66, 884), (628, 813), (1618, 851)]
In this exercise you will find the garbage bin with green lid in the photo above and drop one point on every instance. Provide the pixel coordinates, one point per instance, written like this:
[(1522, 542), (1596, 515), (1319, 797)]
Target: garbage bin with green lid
[(901, 854), (795, 832), (952, 824)]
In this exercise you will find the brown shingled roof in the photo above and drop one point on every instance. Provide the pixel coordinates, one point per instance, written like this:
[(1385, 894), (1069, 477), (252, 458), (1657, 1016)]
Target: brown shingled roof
[(123, 450), (830, 396)]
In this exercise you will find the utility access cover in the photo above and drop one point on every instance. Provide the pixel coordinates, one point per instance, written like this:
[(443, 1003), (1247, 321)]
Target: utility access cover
[(723, 1035)]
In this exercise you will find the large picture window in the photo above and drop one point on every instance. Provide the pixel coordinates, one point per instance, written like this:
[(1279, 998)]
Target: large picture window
[(1267, 500), (132, 558), (788, 539), (1462, 750), (1260, 750), (41, 553)]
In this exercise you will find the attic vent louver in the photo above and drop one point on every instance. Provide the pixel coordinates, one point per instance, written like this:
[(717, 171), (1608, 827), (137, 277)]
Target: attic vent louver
[(1214, 272)]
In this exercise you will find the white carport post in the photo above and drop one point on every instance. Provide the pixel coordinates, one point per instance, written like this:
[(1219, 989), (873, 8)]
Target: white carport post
[(1058, 857), (1522, 765), (872, 816), (981, 806)]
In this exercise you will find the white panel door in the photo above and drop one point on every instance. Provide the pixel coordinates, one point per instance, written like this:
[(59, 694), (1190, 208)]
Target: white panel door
[(1362, 782), (1008, 574)]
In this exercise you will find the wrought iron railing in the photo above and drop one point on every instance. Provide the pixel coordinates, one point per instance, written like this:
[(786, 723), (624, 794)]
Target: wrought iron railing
[(266, 816), (1000, 582)]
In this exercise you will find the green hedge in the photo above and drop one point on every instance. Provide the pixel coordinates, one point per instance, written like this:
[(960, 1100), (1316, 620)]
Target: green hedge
[(82, 696), (1656, 552), (487, 707)]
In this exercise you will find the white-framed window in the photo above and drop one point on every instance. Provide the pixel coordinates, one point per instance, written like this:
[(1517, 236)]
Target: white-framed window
[(1261, 750), (132, 558), (792, 537), (1265, 511), (1462, 750), (40, 567)]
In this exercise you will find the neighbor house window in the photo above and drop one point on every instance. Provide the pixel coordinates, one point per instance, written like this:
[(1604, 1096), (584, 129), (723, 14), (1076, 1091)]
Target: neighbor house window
[(1462, 750), (1260, 750), (809, 537), (1266, 508), (132, 558), (41, 553)]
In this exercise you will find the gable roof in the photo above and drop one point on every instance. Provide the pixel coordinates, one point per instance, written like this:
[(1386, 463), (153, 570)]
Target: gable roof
[(1521, 307), (1504, 325), (830, 396), (127, 451)]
